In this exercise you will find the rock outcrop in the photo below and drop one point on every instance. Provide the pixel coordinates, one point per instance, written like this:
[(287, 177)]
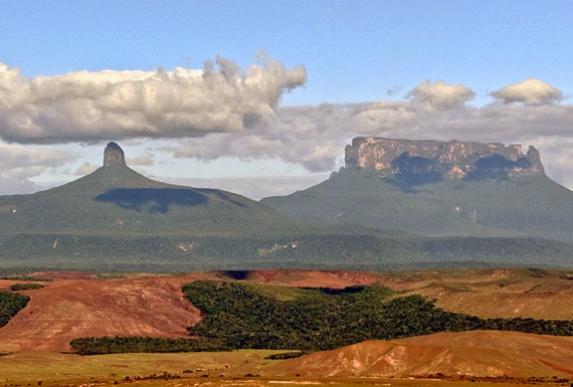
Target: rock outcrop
[(435, 160), (113, 155)]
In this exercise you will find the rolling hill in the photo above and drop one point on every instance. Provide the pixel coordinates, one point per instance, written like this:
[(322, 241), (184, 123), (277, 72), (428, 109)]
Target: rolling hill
[(464, 354)]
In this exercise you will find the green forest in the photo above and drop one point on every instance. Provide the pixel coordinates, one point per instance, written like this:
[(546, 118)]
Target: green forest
[(10, 304), (239, 316)]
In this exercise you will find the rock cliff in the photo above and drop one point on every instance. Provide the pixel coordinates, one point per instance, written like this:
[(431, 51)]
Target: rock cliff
[(113, 155), (434, 160)]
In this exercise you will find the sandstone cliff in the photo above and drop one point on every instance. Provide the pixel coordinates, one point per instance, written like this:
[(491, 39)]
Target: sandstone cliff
[(437, 160), (113, 155)]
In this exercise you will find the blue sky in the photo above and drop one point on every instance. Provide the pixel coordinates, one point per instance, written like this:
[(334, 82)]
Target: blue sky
[(353, 53)]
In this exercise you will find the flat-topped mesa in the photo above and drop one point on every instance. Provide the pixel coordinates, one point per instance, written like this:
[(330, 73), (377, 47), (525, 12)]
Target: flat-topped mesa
[(453, 159), (113, 155)]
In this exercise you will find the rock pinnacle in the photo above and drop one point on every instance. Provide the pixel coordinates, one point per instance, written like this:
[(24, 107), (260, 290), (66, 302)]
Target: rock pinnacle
[(113, 155)]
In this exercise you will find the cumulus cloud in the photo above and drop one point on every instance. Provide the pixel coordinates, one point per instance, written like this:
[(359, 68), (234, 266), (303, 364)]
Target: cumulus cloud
[(315, 136), (85, 169), (440, 96), (207, 112), (530, 91), (19, 162), (111, 105), (17, 186), (146, 160)]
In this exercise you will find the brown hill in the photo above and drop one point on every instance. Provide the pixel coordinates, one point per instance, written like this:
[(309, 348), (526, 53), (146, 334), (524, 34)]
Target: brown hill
[(478, 354), (78, 304), (69, 308)]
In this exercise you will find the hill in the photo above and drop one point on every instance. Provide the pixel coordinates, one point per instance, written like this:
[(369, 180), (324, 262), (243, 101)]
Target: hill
[(470, 354), (438, 189)]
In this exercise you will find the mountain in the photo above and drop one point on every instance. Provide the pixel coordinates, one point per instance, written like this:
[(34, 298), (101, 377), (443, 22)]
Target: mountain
[(115, 200), (115, 219), (437, 188)]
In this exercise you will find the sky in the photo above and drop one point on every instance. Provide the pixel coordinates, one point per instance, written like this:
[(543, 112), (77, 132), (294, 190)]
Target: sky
[(261, 97)]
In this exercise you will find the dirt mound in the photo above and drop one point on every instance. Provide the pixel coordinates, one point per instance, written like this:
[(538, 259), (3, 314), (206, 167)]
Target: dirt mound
[(478, 353), (69, 308)]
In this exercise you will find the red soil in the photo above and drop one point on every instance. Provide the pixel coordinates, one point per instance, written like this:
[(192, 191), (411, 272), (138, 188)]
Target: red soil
[(69, 308)]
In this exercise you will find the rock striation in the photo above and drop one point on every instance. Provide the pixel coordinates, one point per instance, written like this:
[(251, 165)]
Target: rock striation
[(113, 155), (438, 159)]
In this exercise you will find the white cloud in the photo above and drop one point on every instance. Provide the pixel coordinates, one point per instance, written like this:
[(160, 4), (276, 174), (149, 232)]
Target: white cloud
[(85, 169), (141, 161), (440, 96), (224, 100), (17, 186), (19, 162), (530, 91), (107, 105), (315, 136)]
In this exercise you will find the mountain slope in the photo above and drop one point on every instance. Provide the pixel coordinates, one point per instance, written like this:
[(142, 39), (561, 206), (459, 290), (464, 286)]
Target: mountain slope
[(117, 200), (516, 206)]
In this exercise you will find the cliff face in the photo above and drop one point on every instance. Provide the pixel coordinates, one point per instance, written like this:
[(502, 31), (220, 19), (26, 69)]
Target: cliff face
[(435, 160)]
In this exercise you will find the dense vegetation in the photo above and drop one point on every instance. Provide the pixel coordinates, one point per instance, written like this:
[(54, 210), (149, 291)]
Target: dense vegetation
[(10, 304), (335, 249), (25, 286), (127, 344), (238, 316)]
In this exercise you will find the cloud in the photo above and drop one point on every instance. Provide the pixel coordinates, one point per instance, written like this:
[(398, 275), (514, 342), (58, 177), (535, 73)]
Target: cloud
[(530, 91), (440, 96), (315, 136), (17, 186), (112, 105), (226, 111), (141, 161), (19, 162), (85, 169)]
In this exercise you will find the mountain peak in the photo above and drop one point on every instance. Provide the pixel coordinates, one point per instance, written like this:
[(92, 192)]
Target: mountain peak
[(113, 155)]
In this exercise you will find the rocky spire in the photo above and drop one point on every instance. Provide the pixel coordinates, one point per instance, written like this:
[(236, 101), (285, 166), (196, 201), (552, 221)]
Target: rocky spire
[(113, 155)]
